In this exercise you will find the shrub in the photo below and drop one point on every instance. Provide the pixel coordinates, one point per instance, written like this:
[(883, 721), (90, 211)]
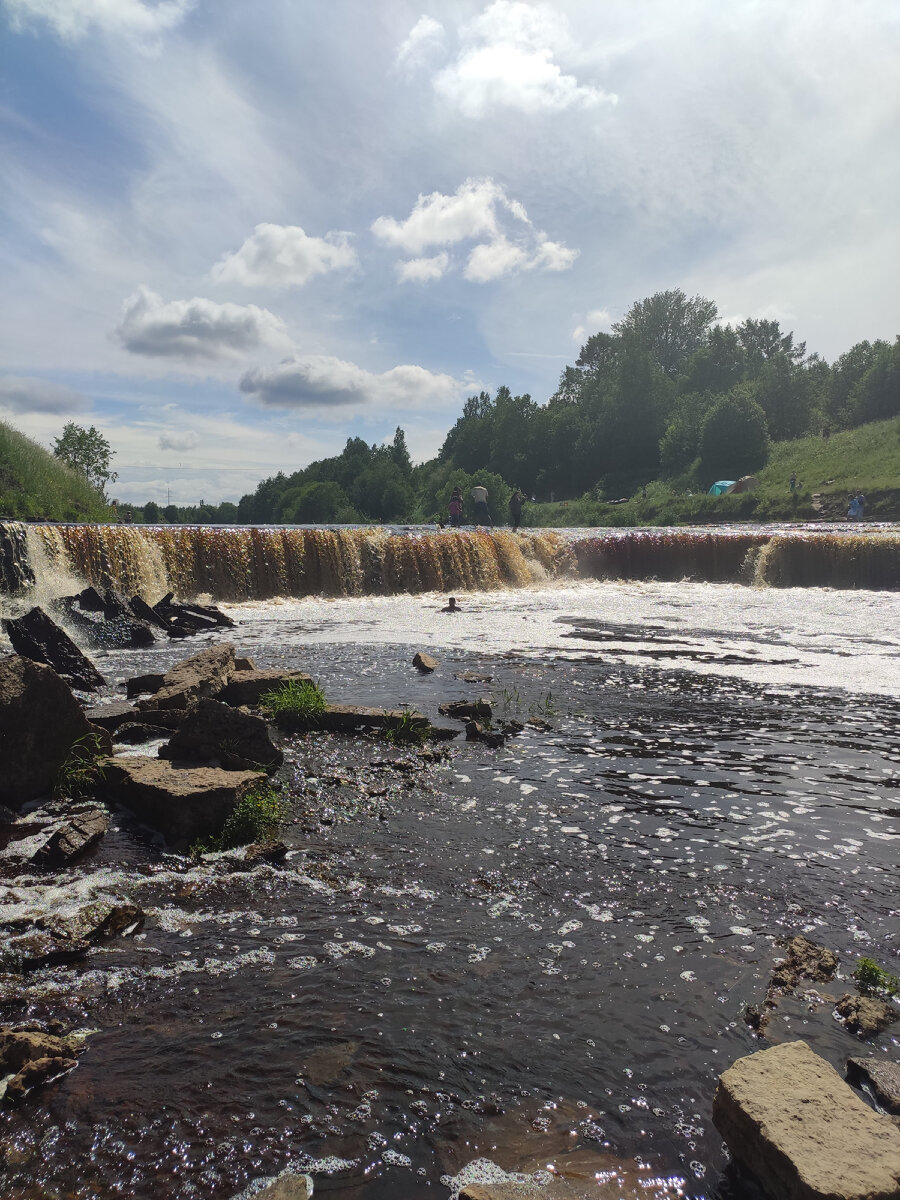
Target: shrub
[(872, 978), (82, 769), (254, 818)]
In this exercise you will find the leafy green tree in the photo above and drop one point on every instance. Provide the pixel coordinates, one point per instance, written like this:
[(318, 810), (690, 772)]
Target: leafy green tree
[(151, 513), (734, 437), (170, 512), (88, 452), (669, 326), (763, 340), (400, 452), (783, 391), (877, 395)]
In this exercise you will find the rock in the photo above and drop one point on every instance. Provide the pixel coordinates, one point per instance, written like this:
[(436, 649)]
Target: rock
[(40, 720), (182, 803), (287, 1186), (232, 737), (244, 664), (144, 612), (424, 662), (467, 710), (344, 718), (477, 732), (790, 1120), (804, 960), (865, 1015), (90, 600), (143, 683), (56, 939), (245, 858), (882, 1076), (29, 1058), (199, 678), (135, 733), (111, 716), (247, 687), (36, 637), (76, 835)]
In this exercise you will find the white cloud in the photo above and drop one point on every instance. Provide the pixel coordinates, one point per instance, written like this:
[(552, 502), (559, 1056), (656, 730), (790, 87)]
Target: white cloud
[(196, 329), (599, 320), (284, 255), (185, 439), (321, 381), (479, 208), (419, 270), (491, 260), (72, 19), (507, 59), (424, 39), (23, 394), (439, 220)]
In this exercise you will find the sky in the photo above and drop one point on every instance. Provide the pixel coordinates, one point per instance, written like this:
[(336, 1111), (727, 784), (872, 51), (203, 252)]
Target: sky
[(233, 235)]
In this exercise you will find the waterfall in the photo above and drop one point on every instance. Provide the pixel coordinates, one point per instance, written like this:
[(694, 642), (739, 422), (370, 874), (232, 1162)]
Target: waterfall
[(261, 563)]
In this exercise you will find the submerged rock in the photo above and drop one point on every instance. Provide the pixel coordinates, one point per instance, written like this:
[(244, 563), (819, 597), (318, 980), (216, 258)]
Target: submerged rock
[(139, 684), (29, 1058), (40, 721), (804, 960), (231, 737), (467, 710), (287, 1186), (182, 803), (883, 1078), (199, 678), (73, 837), (789, 1119), (865, 1015)]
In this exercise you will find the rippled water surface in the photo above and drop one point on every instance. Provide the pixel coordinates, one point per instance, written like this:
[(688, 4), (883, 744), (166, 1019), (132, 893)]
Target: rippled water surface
[(535, 955)]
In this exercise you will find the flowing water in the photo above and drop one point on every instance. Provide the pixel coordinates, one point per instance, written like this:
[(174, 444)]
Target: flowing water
[(528, 959)]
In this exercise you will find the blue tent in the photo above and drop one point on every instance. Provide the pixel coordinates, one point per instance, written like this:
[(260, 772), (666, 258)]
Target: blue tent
[(720, 488)]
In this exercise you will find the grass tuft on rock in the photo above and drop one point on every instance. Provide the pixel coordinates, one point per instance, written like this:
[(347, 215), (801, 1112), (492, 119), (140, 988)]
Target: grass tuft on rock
[(255, 818), (294, 705), (872, 979), (82, 770), (406, 728)]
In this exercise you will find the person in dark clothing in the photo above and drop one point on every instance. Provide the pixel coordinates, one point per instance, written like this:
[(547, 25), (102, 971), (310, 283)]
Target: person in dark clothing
[(516, 501), (456, 507)]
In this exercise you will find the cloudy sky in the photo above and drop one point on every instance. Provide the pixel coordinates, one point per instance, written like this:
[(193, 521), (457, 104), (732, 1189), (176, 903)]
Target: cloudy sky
[(233, 234)]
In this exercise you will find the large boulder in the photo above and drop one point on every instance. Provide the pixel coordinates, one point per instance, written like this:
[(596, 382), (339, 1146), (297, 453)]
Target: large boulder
[(28, 1058), (199, 678), (231, 737), (37, 637), (881, 1076), (182, 803), (249, 686), (40, 721), (789, 1119)]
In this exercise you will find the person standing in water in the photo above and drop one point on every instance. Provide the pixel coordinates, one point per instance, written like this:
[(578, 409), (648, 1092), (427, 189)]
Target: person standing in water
[(456, 507), (479, 496), (516, 501)]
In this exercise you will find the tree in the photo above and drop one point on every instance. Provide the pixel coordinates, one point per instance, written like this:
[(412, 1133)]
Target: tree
[(877, 395), (734, 437), (170, 512), (151, 513), (400, 452), (88, 452), (669, 326)]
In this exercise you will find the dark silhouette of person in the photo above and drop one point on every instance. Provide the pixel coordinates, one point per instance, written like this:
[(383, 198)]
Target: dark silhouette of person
[(452, 606), (516, 500)]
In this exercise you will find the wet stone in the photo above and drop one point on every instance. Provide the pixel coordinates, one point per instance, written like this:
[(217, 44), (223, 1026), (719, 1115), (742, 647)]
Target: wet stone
[(467, 710), (804, 960), (865, 1015), (882, 1076), (231, 737), (29, 1058), (287, 1186), (425, 663)]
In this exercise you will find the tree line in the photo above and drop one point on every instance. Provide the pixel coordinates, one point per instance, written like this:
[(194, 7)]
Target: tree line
[(669, 393)]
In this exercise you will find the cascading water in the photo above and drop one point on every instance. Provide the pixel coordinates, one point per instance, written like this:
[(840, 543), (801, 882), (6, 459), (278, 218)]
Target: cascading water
[(234, 564)]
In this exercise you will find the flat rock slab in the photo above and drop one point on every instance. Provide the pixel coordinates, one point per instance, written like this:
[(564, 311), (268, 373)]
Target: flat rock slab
[(248, 687), (789, 1119), (74, 837), (183, 803), (347, 717), (882, 1076), (199, 678)]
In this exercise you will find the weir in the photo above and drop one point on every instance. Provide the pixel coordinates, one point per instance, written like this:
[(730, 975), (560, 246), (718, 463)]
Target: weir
[(237, 564)]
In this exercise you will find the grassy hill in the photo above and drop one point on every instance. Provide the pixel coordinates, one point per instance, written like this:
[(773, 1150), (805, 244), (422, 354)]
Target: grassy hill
[(865, 459), (34, 485)]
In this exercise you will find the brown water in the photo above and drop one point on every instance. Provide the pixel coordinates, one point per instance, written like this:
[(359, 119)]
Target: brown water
[(535, 955)]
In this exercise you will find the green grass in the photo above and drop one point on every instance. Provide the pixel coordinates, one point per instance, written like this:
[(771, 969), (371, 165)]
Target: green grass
[(82, 770), (34, 485), (294, 705), (406, 728), (872, 979), (255, 818)]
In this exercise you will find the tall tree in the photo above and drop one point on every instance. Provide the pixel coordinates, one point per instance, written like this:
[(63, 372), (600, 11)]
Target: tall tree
[(669, 326), (88, 452)]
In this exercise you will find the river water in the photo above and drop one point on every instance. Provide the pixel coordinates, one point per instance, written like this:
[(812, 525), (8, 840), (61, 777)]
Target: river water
[(532, 958)]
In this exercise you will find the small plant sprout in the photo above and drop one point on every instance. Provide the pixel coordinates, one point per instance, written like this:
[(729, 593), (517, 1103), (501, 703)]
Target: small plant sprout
[(404, 727), (871, 979), (254, 818)]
